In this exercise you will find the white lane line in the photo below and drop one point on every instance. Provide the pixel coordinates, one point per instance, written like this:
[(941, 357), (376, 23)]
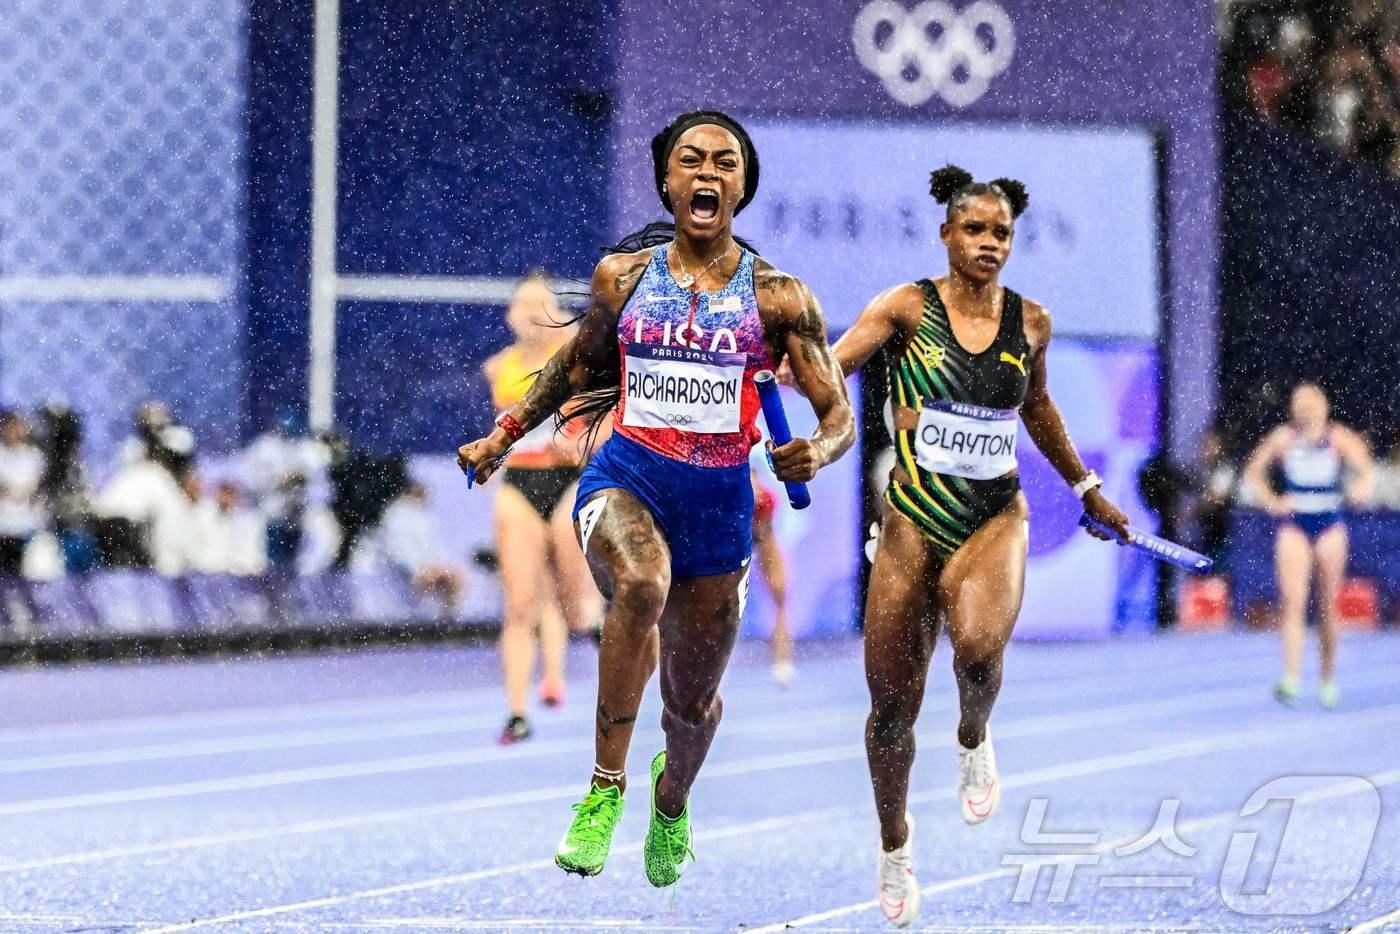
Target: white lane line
[(502, 924), (276, 713), (185, 749), (1338, 790), (1106, 716), (448, 759), (588, 924), (357, 769), (1222, 742), (1376, 924), (560, 792), (378, 705), (429, 726), (11, 922)]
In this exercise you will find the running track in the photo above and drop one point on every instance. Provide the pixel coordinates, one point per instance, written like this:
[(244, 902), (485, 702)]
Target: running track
[(363, 792)]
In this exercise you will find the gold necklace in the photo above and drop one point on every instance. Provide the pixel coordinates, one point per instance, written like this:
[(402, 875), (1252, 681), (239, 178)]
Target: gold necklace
[(687, 280)]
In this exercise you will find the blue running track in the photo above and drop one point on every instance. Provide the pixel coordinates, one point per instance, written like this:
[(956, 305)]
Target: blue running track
[(365, 792)]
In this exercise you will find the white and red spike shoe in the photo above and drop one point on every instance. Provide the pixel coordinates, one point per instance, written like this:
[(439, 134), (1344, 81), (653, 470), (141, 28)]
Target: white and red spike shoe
[(896, 888), (979, 788)]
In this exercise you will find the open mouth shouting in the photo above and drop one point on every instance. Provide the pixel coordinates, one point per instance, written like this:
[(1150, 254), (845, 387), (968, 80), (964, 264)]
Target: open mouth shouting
[(704, 204)]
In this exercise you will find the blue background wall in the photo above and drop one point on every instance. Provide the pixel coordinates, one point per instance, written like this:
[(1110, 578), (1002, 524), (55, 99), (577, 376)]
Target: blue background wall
[(471, 143), (1310, 245)]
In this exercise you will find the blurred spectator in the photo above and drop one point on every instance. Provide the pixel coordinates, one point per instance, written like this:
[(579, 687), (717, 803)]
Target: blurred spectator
[(226, 537), (64, 487), (1327, 68), (1387, 495), (281, 468), (1213, 487), (157, 437), (21, 475), (151, 418), (1160, 487), (363, 486), (407, 540), (144, 517)]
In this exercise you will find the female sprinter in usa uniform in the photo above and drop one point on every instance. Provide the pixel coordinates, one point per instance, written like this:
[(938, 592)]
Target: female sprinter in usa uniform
[(967, 357), (1314, 452), (673, 339)]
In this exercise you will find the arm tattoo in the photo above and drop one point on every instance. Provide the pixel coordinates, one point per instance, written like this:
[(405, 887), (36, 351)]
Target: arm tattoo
[(551, 389), (629, 278), (583, 357), (811, 331)]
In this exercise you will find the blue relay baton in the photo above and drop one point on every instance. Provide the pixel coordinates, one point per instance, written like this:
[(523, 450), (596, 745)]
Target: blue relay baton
[(1155, 546), (778, 431), (470, 471)]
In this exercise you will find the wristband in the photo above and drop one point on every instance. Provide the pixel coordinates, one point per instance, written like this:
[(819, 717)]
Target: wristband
[(1091, 481), (510, 426)]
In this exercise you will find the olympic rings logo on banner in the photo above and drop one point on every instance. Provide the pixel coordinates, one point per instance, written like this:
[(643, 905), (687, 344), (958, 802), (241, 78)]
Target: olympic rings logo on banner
[(934, 49), (680, 419)]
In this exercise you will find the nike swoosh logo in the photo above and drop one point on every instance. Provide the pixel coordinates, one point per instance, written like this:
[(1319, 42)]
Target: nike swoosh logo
[(973, 806), (988, 794)]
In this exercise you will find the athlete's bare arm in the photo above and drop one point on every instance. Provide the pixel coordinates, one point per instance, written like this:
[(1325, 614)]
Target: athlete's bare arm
[(1046, 425), (591, 349), (792, 318), (1356, 453), (892, 315), (1255, 476)]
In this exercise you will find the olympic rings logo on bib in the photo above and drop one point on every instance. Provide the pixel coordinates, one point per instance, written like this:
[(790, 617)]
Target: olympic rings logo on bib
[(684, 388), (925, 49)]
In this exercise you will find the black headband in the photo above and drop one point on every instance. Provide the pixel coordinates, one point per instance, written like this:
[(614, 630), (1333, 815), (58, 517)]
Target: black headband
[(662, 144)]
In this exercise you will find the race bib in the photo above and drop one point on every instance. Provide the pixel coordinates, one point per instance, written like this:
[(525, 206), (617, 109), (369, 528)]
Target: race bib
[(680, 387), (963, 440)]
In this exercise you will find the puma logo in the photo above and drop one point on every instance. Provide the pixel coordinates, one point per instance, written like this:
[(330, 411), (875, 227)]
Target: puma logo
[(1018, 364)]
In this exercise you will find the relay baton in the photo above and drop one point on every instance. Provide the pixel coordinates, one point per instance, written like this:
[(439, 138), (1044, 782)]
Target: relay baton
[(1155, 546), (470, 471), (778, 431)]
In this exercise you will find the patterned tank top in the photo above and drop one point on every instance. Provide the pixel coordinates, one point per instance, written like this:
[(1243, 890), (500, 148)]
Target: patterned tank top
[(688, 362), (936, 367), (967, 402)]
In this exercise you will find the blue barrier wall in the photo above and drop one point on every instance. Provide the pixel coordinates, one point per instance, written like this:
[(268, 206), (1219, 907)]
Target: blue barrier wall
[(1311, 245), (1374, 553), (279, 206), (471, 143)]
